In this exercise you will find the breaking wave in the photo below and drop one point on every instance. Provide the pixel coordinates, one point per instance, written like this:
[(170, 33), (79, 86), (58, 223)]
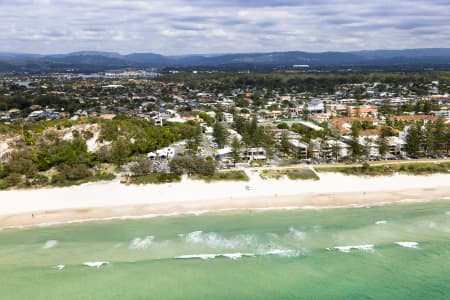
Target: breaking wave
[(216, 241), (238, 255), (96, 264), (382, 222), (142, 243), (347, 249), (297, 234), (283, 252), (413, 245), (50, 244), (233, 256)]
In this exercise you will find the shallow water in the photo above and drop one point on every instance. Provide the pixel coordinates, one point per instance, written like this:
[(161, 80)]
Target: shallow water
[(390, 252)]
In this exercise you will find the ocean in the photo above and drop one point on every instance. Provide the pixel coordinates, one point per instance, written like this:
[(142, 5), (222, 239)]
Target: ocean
[(388, 252)]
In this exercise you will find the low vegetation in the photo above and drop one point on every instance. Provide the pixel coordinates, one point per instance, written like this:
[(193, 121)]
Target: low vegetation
[(155, 178), (387, 169), (292, 174), (58, 179), (224, 176)]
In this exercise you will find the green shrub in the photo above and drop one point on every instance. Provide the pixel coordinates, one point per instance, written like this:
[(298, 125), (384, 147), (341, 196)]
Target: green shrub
[(75, 172), (12, 180), (224, 176), (38, 180), (4, 171), (156, 178), (292, 174), (423, 168)]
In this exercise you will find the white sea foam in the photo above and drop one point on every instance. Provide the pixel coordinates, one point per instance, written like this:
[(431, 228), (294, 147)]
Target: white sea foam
[(50, 244), (282, 252), (427, 224), (448, 213), (237, 255), (346, 249), (212, 256), (59, 267), (142, 243), (297, 234), (382, 222), (216, 241), (96, 264), (413, 245), (201, 256)]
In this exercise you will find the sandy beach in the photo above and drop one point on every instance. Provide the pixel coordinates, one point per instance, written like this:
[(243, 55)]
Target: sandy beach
[(112, 200)]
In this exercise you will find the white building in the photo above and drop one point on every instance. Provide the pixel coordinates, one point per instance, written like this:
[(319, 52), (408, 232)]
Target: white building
[(228, 118), (316, 106), (165, 153), (254, 154)]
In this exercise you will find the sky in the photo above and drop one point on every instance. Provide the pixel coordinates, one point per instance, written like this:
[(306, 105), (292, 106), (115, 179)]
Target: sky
[(176, 27)]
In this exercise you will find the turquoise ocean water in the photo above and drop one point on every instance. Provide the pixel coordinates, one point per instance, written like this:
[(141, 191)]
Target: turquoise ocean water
[(389, 252)]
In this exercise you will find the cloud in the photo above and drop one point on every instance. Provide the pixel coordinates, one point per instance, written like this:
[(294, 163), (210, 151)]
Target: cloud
[(218, 26)]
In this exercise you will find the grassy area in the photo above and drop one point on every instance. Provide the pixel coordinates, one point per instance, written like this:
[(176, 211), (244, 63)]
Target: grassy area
[(387, 169), (292, 174), (156, 178), (424, 168), (224, 176)]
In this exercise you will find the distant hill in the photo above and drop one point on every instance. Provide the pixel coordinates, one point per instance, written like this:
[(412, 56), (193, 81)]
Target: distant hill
[(98, 61)]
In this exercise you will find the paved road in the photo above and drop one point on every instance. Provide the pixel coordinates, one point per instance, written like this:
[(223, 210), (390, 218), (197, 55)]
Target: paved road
[(209, 151)]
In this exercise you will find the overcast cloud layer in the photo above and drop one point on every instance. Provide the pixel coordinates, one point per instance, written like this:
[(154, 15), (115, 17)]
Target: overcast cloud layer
[(221, 26)]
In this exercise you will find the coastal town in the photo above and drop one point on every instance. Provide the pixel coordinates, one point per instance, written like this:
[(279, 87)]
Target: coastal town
[(217, 120), (216, 150)]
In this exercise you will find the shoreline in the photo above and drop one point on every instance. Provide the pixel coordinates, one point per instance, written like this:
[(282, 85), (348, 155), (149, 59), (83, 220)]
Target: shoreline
[(104, 201)]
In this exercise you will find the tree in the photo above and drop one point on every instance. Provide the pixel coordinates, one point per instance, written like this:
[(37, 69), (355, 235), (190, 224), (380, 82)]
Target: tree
[(427, 107), (120, 151), (413, 140), (441, 132), (220, 134), (383, 141), (355, 145), (335, 149), (192, 166), (365, 149), (427, 138), (266, 141), (285, 145), (306, 112), (142, 167), (235, 149), (323, 153), (208, 120), (384, 146)]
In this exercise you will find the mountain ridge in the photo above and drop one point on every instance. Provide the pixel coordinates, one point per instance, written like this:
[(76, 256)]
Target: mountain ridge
[(100, 60)]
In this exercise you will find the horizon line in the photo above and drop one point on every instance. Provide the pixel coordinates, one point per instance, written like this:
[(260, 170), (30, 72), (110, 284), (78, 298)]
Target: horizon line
[(224, 53)]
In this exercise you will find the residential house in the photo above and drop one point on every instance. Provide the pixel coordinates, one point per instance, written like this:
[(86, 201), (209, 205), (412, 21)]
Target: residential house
[(251, 154), (316, 106), (362, 111)]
